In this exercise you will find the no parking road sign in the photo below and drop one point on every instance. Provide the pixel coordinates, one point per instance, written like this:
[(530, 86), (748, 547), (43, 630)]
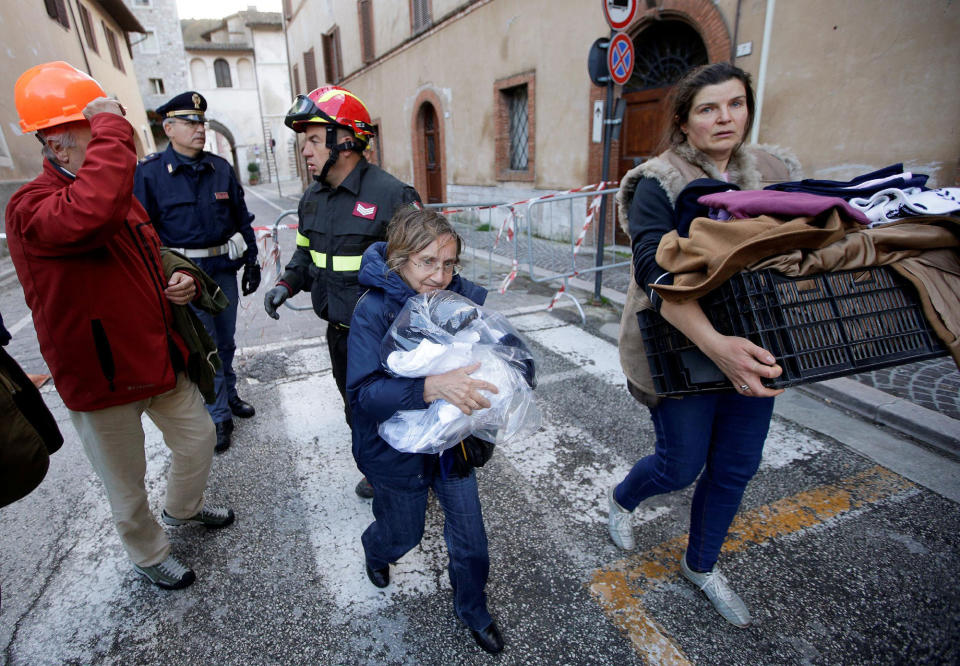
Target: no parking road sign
[(620, 58)]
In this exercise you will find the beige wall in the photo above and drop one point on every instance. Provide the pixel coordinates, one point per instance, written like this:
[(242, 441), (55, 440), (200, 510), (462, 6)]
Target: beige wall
[(310, 21), (461, 60), (850, 85), (850, 93), (30, 37)]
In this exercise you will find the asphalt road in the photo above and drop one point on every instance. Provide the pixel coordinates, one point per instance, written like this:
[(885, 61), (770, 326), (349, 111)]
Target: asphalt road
[(845, 548)]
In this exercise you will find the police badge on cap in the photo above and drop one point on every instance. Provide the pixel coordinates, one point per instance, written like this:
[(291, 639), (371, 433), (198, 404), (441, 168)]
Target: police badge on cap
[(187, 106)]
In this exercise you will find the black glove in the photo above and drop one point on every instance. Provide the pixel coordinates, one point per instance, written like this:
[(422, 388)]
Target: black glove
[(471, 452), (251, 278), (274, 299)]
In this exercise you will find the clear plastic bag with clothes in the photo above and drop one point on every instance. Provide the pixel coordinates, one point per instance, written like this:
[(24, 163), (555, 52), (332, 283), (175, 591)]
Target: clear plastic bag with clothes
[(442, 331)]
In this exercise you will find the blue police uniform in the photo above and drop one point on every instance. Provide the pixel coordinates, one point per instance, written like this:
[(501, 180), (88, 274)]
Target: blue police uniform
[(196, 205)]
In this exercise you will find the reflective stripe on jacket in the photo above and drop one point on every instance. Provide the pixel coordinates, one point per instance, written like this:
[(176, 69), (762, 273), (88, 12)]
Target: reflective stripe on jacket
[(335, 226)]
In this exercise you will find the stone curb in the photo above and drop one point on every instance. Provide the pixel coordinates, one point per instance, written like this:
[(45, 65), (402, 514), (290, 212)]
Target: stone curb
[(875, 406)]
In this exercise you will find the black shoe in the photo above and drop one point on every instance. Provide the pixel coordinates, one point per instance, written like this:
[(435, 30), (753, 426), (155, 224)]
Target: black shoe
[(489, 639), (213, 518), (224, 431), (379, 577), (364, 489), (240, 408)]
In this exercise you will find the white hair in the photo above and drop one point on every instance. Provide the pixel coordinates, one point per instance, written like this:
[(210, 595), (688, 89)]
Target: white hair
[(61, 135)]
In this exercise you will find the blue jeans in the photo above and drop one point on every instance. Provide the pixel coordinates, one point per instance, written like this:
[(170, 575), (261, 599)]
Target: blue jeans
[(719, 433), (399, 514), (222, 328)]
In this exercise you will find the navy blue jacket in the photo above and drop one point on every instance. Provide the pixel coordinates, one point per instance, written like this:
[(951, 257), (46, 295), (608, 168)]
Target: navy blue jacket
[(374, 395), (195, 205)]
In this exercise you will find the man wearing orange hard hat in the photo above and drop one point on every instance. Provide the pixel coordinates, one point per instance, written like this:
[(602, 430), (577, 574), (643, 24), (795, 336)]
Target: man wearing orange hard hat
[(341, 214), (91, 269)]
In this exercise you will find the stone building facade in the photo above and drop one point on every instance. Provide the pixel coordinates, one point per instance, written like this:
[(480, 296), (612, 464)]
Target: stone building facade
[(157, 53), (239, 64), (94, 37), (490, 100)]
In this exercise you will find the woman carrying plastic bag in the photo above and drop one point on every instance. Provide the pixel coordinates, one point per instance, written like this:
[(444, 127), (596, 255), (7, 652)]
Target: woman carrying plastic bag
[(420, 256)]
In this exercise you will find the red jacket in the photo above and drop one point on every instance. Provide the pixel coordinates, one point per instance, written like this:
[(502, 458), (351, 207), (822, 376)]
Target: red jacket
[(89, 263)]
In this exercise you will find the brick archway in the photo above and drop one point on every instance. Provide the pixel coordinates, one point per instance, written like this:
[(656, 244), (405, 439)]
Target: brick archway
[(701, 15), (417, 142)]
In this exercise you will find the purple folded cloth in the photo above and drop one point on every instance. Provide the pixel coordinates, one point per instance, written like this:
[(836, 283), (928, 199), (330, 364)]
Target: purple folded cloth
[(741, 204)]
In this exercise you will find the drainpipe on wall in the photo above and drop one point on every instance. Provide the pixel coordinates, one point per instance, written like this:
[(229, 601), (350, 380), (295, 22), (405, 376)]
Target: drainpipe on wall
[(762, 74), (83, 50), (293, 90), (736, 34)]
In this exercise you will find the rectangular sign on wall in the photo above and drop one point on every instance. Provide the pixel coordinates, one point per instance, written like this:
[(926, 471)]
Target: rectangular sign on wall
[(597, 134)]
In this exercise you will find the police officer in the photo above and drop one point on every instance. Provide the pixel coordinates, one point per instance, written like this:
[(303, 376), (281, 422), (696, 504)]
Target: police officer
[(196, 205), (345, 210)]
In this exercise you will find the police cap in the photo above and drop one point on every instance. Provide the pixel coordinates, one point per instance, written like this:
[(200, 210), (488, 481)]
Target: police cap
[(187, 106)]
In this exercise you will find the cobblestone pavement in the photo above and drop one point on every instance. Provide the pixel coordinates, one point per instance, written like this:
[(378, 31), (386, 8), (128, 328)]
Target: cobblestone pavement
[(934, 384)]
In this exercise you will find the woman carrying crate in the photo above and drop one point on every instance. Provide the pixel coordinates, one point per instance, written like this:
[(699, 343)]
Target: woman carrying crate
[(720, 434)]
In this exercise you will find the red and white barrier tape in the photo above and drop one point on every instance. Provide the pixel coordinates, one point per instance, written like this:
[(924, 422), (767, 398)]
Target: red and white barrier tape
[(508, 223), (510, 277), (556, 297), (591, 212), (586, 188), (279, 226)]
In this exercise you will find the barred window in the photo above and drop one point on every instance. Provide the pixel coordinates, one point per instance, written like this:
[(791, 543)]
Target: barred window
[(156, 87), (515, 148), (519, 130)]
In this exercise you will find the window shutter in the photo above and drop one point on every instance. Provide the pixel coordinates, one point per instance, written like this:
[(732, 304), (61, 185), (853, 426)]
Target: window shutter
[(310, 69)]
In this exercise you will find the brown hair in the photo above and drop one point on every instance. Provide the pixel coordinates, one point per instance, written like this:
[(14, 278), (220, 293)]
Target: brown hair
[(681, 97), (411, 229)]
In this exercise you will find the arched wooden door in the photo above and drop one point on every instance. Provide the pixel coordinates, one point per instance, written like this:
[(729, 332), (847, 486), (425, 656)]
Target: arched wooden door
[(665, 51), (430, 137)]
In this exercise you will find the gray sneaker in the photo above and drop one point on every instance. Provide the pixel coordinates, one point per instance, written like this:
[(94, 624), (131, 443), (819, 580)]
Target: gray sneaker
[(212, 517), (170, 574), (715, 585), (621, 528)]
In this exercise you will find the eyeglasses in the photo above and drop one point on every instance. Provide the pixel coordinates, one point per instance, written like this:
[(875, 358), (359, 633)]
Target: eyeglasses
[(431, 266)]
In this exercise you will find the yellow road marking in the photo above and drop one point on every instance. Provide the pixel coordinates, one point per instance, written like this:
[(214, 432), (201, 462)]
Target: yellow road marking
[(620, 586)]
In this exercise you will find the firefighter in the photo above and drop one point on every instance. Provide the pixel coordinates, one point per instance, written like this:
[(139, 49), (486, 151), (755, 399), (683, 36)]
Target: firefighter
[(344, 210)]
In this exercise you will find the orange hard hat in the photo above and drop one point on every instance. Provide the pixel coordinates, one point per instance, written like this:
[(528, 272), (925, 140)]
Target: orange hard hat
[(52, 94)]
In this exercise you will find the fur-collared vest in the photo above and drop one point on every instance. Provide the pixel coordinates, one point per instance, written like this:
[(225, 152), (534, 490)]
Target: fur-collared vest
[(751, 168)]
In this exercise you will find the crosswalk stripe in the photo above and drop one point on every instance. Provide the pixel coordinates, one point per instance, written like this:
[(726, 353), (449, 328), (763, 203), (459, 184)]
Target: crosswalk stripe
[(620, 586)]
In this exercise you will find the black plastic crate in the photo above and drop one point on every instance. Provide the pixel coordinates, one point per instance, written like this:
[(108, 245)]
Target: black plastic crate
[(817, 326)]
